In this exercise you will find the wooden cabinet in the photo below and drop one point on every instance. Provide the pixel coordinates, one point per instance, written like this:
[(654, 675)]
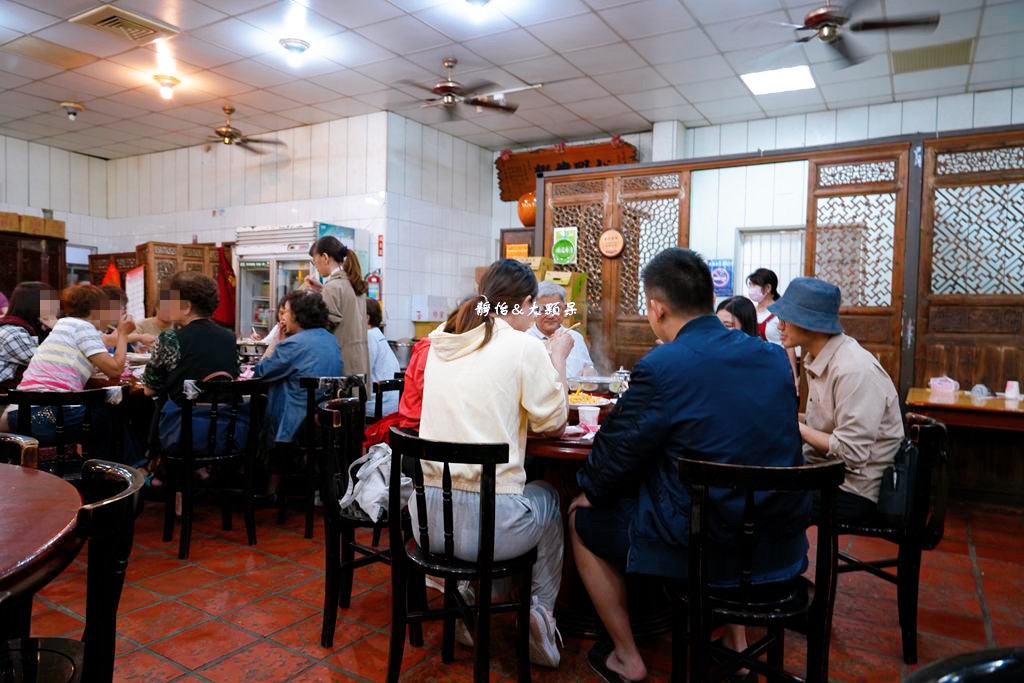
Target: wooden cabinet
[(31, 257), (163, 259), (98, 264)]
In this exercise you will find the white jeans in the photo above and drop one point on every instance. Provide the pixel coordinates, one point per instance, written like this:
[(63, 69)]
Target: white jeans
[(531, 520)]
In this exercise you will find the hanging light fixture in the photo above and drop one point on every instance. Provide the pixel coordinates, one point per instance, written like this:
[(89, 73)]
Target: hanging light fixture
[(295, 47), (167, 85)]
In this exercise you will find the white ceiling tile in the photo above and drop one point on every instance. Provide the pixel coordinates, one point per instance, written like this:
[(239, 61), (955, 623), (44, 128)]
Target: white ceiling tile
[(78, 86), (952, 27), (254, 73), (575, 33), (1005, 18), (837, 72), (654, 99), (203, 116), (453, 21), (8, 34), (121, 110), (933, 79), (265, 100), (631, 81), (511, 46), (236, 6), (311, 64), (353, 13), (533, 99), (8, 81), (28, 129), (459, 127), (498, 79), (291, 20), (84, 39), (695, 70), (605, 59), (344, 82), (802, 100), (145, 60), (431, 59), (497, 121), (598, 107), (545, 69), (605, 4), (906, 96), (403, 34), (349, 49), (648, 18), (622, 123), (305, 92), (574, 90), (710, 11), (216, 84), (1005, 71), (548, 115), (111, 133), (185, 14), (25, 67), (574, 129), (271, 122), (717, 89), (20, 18), (112, 72), (528, 13), (729, 107), (27, 101), (527, 135), (398, 69), (164, 122), (416, 5), (682, 112), (760, 31), (387, 99), (857, 90), (674, 47), (921, 6), (1004, 46), (347, 106), (11, 112), (429, 116), (308, 115), (199, 52), (239, 37), (65, 9), (492, 141)]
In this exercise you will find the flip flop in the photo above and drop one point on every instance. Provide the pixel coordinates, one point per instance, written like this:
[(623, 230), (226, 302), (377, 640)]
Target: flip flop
[(597, 657)]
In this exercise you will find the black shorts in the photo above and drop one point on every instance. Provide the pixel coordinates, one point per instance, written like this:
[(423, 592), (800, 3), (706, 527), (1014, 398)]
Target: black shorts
[(605, 530)]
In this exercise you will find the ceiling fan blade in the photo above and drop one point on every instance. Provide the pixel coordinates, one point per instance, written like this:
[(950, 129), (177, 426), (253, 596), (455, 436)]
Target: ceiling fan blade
[(258, 141), (509, 91), (771, 59), (436, 102), (416, 85), (848, 54), (476, 87), (214, 138), (851, 7), (245, 145), (924, 22), (491, 104)]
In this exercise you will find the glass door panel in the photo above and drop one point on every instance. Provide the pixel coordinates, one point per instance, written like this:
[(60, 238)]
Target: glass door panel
[(254, 306)]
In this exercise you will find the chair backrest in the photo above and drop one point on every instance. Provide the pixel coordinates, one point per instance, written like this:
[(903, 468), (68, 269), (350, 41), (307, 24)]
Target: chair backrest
[(226, 401), (931, 479), (1005, 665), (341, 429), (700, 476), (319, 389), (113, 499), (60, 402), (16, 449), (396, 384), (408, 453)]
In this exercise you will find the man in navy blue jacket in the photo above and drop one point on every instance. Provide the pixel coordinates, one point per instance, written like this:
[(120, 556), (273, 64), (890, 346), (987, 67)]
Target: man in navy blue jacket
[(706, 393)]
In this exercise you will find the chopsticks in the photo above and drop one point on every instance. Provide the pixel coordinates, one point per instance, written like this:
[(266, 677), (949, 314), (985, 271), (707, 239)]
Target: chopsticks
[(574, 326)]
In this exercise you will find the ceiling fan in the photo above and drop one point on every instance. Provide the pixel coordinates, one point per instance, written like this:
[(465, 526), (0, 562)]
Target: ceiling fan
[(480, 94), (829, 24), (229, 135)]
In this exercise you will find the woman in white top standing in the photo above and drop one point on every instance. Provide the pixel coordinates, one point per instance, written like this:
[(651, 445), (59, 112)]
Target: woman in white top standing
[(486, 381), (383, 362), (763, 290)]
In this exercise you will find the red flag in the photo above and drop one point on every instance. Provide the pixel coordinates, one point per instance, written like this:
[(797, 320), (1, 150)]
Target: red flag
[(225, 313), (113, 276)]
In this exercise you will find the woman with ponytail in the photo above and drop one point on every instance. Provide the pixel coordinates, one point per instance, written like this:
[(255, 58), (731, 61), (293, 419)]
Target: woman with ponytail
[(487, 381), (344, 292)]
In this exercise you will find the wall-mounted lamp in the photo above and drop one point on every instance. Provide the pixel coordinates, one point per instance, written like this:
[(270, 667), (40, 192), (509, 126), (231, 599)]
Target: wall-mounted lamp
[(167, 85)]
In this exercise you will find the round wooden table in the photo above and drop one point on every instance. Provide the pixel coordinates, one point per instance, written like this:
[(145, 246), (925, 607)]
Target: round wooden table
[(560, 459), (38, 517)]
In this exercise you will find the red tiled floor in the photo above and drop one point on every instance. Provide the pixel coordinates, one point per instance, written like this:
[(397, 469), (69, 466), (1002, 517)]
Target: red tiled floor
[(232, 612)]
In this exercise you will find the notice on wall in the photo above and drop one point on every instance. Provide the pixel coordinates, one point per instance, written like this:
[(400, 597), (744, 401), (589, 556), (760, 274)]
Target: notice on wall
[(564, 245), (135, 288), (517, 251), (721, 276)]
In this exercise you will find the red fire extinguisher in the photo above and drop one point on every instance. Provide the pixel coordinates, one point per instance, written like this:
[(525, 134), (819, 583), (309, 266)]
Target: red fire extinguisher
[(373, 286)]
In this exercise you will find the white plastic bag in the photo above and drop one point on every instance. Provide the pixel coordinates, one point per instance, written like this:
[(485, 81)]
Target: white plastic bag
[(368, 479)]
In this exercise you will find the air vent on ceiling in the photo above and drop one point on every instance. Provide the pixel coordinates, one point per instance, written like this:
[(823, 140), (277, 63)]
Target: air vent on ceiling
[(932, 57), (124, 23)]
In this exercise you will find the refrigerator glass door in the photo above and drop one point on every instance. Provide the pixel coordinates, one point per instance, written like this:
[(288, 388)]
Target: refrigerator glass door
[(255, 312), (290, 275)]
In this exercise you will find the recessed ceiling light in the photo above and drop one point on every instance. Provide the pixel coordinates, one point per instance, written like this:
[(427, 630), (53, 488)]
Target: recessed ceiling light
[(72, 109), (478, 3), (295, 47), (779, 80), (167, 84)]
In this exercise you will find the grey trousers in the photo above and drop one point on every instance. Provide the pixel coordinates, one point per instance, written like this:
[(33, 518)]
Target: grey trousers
[(531, 520)]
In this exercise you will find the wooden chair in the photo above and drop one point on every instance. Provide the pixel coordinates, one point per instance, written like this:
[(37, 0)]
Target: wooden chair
[(94, 441), (1005, 665), (107, 521), (922, 531), (16, 449), (341, 421), (796, 604), (225, 401), (396, 384), (306, 448), (410, 560)]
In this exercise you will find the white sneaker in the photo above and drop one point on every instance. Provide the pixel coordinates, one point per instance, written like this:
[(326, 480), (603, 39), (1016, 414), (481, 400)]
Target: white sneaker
[(544, 636)]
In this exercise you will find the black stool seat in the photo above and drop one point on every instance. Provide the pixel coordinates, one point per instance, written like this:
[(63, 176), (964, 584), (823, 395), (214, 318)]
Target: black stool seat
[(42, 660), (779, 601), (991, 666), (876, 530), (437, 565)]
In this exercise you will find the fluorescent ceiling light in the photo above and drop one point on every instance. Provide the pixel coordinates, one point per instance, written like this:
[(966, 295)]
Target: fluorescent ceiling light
[(779, 80)]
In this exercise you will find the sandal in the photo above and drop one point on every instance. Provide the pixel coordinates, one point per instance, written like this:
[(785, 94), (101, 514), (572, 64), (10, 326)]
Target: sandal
[(597, 657)]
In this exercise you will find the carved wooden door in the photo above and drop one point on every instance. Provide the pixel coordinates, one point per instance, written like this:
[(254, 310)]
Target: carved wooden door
[(856, 230), (971, 289)]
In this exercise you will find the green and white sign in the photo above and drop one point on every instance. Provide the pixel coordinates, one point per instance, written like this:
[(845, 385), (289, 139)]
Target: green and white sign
[(563, 247)]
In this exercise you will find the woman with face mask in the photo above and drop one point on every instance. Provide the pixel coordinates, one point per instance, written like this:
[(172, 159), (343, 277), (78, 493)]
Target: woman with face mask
[(763, 290)]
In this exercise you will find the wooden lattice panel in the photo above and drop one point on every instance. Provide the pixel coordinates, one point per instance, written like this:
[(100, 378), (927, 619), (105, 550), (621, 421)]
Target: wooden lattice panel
[(577, 187), (589, 218), (642, 183), (978, 241), (834, 175), (1001, 159), (854, 247), (649, 226)]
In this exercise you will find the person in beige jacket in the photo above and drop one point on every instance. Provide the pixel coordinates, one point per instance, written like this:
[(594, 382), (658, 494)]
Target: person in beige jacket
[(486, 381), (344, 292)]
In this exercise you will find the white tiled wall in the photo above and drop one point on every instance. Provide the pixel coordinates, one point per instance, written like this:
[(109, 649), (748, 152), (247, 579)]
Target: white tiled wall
[(35, 177), (438, 218)]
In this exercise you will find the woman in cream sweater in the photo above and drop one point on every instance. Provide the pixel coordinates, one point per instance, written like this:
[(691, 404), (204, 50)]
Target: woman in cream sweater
[(344, 292), (486, 381)]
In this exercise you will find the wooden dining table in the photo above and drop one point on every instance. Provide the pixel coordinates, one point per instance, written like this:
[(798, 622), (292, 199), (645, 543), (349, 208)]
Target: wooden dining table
[(38, 539), (557, 461), (962, 409)]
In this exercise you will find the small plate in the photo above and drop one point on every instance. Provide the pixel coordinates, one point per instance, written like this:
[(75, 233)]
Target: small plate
[(573, 432), (597, 402)]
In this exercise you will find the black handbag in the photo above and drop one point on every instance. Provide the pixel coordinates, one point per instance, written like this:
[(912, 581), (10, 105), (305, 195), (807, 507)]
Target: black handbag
[(896, 495)]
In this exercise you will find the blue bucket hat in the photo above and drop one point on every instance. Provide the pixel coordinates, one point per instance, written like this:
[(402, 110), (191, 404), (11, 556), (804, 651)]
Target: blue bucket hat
[(810, 303)]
